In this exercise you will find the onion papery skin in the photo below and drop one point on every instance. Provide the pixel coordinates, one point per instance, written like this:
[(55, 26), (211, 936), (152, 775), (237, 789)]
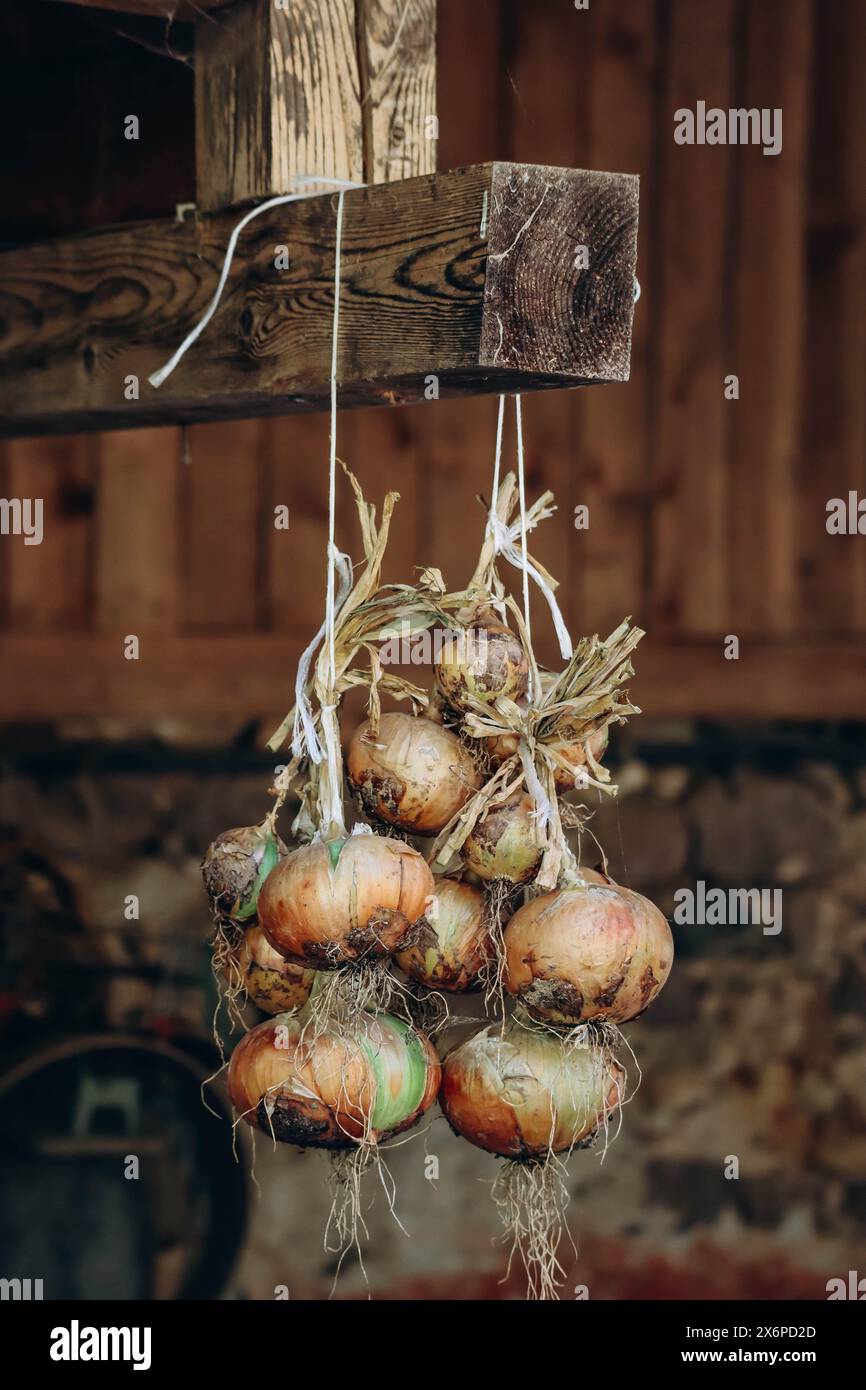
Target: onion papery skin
[(415, 775), (333, 1091), (594, 952), (235, 868), (525, 1094), (333, 903), (275, 985), (451, 952), (482, 662), (504, 746), (503, 844)]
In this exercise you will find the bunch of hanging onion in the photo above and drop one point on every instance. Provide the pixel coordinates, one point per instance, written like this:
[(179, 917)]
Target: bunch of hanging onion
[(331, 903), (596, 951), (454, 943), (567, 745), (483, 661), (526, 1094), (275, 985), (504, 843), (235, 867), (333, 1090), (414, 773)]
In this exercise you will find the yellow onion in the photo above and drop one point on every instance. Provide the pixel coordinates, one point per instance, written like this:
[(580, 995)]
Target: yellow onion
[(415, 774), (454, 943), (599, 951), (333, 1090), (273, 983), (503, 843), (502, 746), (525, 1094), (334, 902), (235, 867), (482, 661)]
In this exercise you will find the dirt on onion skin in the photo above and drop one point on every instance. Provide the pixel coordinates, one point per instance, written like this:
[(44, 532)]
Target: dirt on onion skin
[(291, 1123), (552, 996), (379, 797)]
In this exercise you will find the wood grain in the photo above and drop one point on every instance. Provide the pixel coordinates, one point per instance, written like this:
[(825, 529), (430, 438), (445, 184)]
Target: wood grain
[(49, 585), (770, 298), (397, 66), (691, 454), (137, 561), (419, 297), (221, 478), (277, 94)]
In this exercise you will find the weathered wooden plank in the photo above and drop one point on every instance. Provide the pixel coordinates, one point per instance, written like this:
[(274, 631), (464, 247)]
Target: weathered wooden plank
[(156, 9), (86, 674), (221, 478), (277, 93), (831, 595), (693, 420), (48, 584), (612, 461), (397, 67), (770, 314), (137, 560), (423, 294)]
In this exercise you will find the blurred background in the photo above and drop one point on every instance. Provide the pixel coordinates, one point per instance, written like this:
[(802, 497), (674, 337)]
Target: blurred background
[(706, 520)]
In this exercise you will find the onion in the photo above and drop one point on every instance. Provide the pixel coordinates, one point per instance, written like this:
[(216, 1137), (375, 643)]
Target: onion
[(415, 774), (503, 746), (235, 867), (273, 983), (484, 661), (503, 844), (339, 901), (335, 1090), (599, 951), (526, 1094), (454, 947)]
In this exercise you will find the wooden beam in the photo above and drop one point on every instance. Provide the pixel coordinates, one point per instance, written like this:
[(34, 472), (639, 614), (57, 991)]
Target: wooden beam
[(463, 281), (58, 676), (341, 88), (155, 9)]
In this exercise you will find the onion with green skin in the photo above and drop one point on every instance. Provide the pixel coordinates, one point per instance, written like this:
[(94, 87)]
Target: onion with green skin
[(592, 951), (235, 868), (275, 985), (482, 662), (525, 1094), (503, 843), (415, 774), (454, 945), (337, 1090), (333, 903)]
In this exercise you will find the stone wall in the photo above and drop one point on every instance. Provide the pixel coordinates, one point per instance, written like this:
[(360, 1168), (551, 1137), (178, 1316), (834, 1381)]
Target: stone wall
[(756, 1050)]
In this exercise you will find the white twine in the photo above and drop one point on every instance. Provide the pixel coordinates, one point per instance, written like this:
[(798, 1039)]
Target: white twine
[(521, 487), (543, 810), (505, 537), (304, 738), (159, 376)]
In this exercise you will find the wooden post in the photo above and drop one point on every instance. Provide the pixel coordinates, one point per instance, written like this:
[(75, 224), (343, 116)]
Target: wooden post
[(341, 88)]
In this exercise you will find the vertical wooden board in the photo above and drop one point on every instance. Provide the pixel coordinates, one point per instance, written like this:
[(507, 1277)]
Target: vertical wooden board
[(298, 450), (222, 486), (382, 449), (770, 323), (548, 114), (137, 550), (397, 64), (832, 569), (613, 465), (48, 584), (277, 94), (690, 542), (456, 437)]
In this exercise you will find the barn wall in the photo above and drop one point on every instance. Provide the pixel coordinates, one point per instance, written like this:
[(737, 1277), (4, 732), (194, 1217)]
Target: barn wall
[(707, 516)]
